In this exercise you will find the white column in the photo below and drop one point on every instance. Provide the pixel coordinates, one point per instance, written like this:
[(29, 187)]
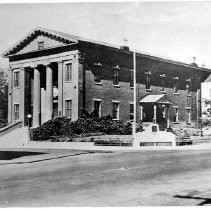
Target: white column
[(36, 101), (49, 92), (155, 114), (141, 113), (168, 117), (60, 88), (10, 96)]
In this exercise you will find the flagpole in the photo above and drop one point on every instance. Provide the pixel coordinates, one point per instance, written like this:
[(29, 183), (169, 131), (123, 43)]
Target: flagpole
[(134, 91)]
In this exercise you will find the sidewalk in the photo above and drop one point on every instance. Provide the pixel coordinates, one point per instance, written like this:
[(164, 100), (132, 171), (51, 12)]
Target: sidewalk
[(14, 142), (22, 156), (91, 147)]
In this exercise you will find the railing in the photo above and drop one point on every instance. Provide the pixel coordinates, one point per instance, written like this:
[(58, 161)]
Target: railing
[(201, 139), (118, 144), (110, 141), (10, 127)]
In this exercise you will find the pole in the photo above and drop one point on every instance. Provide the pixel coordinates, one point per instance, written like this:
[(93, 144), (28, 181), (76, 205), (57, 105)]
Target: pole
[(197, 108), (134, 91)]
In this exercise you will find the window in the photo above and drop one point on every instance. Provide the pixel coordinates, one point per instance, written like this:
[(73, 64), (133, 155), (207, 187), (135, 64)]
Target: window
[(68, 72), (16, 78), (176, 81), (131, 78), (97, 72), (189, 115), (116, 75), (97, 108), (148, 80), (40, 45), (68, 108), (188, 86), (164, 111), (16, 111), (131, 112), (162, 77), (188, 101), (176, 116), (115, 110)]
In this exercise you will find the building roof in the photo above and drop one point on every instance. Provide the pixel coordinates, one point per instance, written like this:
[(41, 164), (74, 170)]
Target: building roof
[(208, 79), (159, 99), (70, 39)]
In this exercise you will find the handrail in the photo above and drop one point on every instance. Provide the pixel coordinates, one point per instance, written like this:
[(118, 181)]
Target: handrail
[(10, 127)]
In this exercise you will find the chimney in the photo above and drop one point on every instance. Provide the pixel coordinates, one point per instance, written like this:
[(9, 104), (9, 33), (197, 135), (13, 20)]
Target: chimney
[(194, 62)]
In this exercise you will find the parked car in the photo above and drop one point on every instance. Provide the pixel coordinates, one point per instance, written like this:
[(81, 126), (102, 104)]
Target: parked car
[(206, 131)]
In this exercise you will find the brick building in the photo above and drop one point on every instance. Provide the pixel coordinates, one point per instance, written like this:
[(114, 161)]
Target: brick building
[(55, 74)]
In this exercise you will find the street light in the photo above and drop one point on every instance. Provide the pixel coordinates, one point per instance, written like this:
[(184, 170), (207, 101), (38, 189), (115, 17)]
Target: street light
[(29, 116)]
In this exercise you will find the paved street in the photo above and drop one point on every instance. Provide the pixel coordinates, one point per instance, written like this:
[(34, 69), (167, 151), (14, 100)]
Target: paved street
[(80, 178)]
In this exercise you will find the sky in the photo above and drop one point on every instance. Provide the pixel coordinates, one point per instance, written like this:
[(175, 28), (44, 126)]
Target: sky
[(174, 30)]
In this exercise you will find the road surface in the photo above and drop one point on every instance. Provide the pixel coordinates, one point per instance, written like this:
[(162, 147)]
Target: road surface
[(148, 178)]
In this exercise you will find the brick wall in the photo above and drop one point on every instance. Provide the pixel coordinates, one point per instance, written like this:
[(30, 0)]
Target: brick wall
[(124, 94)]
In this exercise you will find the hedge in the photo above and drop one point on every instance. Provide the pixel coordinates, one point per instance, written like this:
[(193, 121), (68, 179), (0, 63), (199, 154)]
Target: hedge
[(85, 126)]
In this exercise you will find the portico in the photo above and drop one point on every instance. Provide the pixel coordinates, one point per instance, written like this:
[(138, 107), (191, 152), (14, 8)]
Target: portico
[(42, 87), (155, 108)]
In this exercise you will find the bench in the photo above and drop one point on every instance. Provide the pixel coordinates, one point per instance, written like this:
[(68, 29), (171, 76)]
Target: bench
[(110, 141), (185, 140)]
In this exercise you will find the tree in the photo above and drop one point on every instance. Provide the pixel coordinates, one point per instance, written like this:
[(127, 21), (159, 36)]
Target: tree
[(3, 98)]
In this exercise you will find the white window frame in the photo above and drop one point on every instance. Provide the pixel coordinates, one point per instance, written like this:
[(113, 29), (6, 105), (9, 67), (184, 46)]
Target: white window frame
[(148, 81), (15, 79), (132, 113), (176, 84), (115, 102), (131, 78), (189, 116), (97, 100), (162, 82), (65, 73), (68, 100), (176, 114), (16, 112)]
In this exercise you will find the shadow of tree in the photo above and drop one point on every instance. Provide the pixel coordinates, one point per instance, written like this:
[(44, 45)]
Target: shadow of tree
[(203, 202)]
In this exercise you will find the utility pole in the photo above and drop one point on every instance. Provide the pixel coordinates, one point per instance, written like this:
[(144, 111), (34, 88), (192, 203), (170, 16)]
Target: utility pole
[(134, 91)]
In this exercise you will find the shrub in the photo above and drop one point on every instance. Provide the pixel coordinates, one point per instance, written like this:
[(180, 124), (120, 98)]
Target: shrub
[(87, 125)]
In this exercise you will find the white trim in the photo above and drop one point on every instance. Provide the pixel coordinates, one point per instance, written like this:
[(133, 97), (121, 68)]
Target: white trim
[(117, 86), (66, 99), (66, 56), (97, 83), (95, 99), (115, 101)]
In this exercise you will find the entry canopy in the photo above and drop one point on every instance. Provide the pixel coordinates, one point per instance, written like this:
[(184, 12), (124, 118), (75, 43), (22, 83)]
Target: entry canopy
[(156, 99)]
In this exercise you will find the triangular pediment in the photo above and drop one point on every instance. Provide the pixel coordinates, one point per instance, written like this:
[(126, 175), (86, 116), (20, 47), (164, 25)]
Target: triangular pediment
[(158, 99), (30, 42)]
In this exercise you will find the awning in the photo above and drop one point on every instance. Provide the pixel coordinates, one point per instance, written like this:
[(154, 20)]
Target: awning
[(157, 99)]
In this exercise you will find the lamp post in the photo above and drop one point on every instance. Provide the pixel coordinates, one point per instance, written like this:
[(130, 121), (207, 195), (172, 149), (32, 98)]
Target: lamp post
[(29, 116), (134, 93)]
